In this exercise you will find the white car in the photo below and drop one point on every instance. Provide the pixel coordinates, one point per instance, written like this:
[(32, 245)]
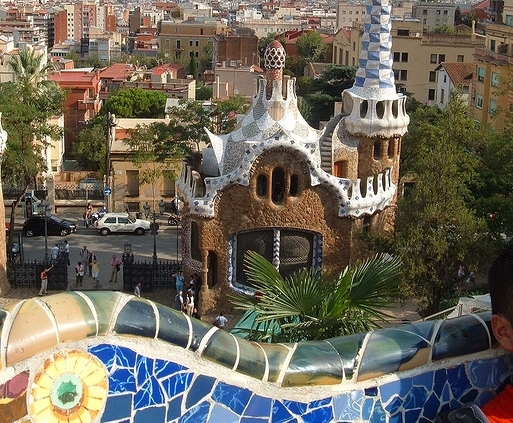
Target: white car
[(122, 222)]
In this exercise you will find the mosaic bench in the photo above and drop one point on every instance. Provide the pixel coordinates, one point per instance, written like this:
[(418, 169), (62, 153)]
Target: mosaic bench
[(111, 357)]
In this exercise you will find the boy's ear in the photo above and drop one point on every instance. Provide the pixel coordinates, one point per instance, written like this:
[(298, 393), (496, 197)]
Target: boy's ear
[(503, 331)]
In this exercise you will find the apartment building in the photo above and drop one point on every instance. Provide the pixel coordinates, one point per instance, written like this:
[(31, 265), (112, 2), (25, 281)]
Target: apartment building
[(265, 27), (182, 40), (453, 77), (82, 102), (434, 14), (492, 95), (416, 54)]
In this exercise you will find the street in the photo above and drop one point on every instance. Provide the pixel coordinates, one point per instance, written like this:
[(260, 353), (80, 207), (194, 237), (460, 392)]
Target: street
[(104, 246)]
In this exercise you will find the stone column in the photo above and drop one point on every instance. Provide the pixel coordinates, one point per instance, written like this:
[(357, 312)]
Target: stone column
[(5, 286)]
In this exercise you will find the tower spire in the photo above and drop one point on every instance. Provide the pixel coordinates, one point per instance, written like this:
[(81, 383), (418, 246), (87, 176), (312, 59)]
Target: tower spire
[(373, 106)]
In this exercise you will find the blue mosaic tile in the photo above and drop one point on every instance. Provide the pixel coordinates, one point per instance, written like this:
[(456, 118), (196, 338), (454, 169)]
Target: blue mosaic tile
[(280, 414), (143, 370), (394, 405), (165, 368), (122, 380), (201, 387), (150, 414), (117, 407), (458, 381), (177, 383), (197, 414), (412, 415), (368, 407), (235, 398), (348, 406), (221, 414), (389, 390), (253, 420), (416, 398), (431, 407), (105, 353), (320, 402), (125, 357), (319, 415), (258, 407), (296, 407), (378, 414), (174, 408), (150, 393)]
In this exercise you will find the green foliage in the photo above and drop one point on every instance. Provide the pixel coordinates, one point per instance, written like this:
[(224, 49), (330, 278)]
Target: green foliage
[(436, 230), (444, 29), (193, 68), (90, 146), (294, 65), (335, 79), (306, 306), (204, 92), (311, 47), (321, 108), (136, 103), (225, 112)]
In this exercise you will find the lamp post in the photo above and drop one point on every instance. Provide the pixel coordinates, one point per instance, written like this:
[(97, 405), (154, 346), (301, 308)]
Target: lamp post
[(46, 212)]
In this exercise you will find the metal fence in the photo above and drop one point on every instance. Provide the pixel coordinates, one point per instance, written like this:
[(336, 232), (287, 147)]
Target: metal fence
[(159, 276), (27, 274)]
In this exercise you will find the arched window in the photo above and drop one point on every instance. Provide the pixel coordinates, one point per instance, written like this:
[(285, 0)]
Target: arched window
[(341, 169), (278, 185), (294, 185), (377, 150), (261, 186)]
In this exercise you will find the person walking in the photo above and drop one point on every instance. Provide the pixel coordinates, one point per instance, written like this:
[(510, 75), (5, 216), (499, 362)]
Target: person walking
[(178, 281), (54, 253), (190, 303), (115, 266), (79, 271), (137, 289), (44, 281), (179, 302), (220, 321), (66, 251), (90, 258), (95, 271)]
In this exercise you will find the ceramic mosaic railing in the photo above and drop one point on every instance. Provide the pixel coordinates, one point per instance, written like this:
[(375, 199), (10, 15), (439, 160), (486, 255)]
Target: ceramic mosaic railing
[(111, 357)]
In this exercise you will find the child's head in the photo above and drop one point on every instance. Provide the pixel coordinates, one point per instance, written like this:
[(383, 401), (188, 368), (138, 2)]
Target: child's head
[(500, 281)]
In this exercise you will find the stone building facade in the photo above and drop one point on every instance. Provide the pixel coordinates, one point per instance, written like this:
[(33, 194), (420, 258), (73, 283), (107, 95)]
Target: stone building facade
[(298, 196)]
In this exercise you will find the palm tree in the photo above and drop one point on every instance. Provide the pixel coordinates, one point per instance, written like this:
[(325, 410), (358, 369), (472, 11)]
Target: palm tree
[(30, 71), (308, 306)]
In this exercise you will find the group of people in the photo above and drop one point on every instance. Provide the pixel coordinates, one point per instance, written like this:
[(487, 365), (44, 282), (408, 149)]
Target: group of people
[(187, 303), (89, 216)]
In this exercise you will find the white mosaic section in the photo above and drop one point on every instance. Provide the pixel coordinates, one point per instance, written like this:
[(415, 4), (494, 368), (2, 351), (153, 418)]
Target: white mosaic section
[(354, 204)]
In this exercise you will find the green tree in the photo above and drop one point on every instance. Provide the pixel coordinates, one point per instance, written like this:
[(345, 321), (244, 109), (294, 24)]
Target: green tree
[(311, 47), (203, 92), (335, 79), (193, 68), (321, 108), (436, 230), (28, 106), (136, 103), (90, 147), (308, 306), (226, 112)]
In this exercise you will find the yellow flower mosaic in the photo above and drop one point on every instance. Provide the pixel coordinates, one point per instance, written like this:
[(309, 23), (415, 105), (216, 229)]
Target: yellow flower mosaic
[(70, 386)]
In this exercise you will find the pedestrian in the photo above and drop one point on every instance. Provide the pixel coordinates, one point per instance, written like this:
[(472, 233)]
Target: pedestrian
[(190, 303), (179, 304), (79, 271), (115, 266), (137, 289), (471, 280), (195, 314), (54, 253), (220, 321), (95, 271), (84, 253), (66, 251), (90, 258), (178, 281), (44, 281)]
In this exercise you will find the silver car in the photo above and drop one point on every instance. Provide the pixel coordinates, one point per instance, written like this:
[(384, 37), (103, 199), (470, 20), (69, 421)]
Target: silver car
[(122, 222)]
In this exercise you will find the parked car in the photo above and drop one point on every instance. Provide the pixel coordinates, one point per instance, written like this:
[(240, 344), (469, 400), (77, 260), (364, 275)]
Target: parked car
[(35, 225), (122, 222)]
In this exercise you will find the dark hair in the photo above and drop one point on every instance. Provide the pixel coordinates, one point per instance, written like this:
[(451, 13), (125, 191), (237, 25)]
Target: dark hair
[(500, 281)]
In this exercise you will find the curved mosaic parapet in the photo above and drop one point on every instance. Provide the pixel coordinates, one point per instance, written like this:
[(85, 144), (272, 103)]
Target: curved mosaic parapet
[(108, 356)]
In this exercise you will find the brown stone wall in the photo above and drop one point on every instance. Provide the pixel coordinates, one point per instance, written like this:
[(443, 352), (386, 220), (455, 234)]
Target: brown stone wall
[(239, 208)]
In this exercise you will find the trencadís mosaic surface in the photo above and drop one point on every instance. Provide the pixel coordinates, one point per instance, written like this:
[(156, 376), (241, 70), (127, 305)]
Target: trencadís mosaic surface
[(111, 357)]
